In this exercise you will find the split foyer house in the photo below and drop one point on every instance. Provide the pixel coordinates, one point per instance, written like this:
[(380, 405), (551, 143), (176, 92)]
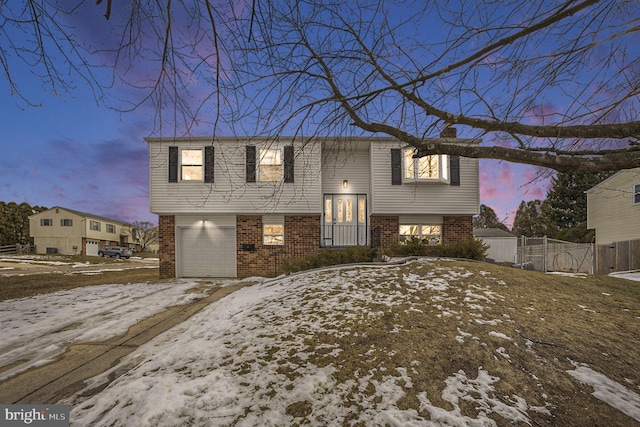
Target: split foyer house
[(70, 232), (232, 206), (613, 207)]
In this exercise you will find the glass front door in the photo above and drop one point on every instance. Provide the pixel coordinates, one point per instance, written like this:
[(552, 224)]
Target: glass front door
[(345, 220)]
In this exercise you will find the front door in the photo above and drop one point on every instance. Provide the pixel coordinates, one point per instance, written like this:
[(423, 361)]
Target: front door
[(345, 220)]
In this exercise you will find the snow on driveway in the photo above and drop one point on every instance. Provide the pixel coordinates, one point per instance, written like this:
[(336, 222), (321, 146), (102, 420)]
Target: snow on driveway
[(37, 329)]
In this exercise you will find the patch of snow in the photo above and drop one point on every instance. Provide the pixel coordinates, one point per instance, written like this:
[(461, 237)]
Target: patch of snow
[(609, 391), (499, 335), (40, 327)]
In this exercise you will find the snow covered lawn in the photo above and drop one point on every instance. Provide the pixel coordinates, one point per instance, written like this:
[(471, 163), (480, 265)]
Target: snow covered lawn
[(427, 343)]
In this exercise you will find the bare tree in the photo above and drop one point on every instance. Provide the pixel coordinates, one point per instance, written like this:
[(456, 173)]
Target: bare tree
[(551, 83), (144, 233)]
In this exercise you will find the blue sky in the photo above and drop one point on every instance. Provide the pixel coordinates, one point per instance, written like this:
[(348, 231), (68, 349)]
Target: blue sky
[(74, 152)]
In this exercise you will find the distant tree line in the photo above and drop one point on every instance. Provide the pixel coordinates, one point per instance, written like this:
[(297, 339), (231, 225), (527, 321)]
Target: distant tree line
[(562, 215), (14, 222)]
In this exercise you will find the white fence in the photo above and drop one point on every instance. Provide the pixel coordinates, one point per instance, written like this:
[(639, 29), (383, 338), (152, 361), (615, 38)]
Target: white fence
[(544, 254)]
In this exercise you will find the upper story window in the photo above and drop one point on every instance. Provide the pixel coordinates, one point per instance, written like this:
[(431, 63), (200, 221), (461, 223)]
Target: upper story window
[(46, 222), (66, 222), (191, 165), (427, 168), (94, 225), (270, 164), (111, 228), (636, 194)]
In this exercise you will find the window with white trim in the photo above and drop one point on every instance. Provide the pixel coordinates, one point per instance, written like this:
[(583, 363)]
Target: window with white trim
[(191, 165), (94, 225), (46, 222), (270, 164), (434, 168), (111, 228), (273, 230), (66, 222), (427, 234), (636, 194)]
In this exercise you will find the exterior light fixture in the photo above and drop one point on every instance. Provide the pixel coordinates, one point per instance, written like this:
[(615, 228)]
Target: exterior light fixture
[(345, 184)]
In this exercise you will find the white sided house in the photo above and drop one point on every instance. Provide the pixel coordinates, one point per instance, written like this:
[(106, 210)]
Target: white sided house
[(613, 207), (237, 206), (70, 232)]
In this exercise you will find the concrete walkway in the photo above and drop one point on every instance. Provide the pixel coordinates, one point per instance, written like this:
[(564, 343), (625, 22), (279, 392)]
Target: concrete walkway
[(62, 378)]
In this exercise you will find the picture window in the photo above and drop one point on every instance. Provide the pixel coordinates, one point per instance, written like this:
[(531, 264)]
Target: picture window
[(428, 234), (427, 168)]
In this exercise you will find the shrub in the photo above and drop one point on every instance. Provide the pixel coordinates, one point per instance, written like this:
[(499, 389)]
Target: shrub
[(326, 257), (468, 248), (411, 247)]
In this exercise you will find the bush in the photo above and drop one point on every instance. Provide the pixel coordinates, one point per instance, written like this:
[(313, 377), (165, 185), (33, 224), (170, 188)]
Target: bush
[(326, 257), (468, 249), (411, 247)]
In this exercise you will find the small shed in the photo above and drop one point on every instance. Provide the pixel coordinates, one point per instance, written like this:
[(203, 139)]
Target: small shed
[(503, 245)]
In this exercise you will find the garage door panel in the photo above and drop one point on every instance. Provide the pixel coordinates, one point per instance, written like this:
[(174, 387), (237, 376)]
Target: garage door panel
[(92, 248), (208, 252)]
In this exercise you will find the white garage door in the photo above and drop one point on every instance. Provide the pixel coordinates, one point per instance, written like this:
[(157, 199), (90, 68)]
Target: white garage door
[(208, 252), (92, 248)]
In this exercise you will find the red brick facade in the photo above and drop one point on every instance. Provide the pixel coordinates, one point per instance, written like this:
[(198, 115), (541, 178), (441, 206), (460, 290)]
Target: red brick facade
[(384, 230), (167, 242), (455, 228), (301, 237)]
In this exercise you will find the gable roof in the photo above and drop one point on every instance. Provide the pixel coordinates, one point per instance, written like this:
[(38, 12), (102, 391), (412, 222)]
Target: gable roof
[(635, 170), (82, 214), (491, 232)]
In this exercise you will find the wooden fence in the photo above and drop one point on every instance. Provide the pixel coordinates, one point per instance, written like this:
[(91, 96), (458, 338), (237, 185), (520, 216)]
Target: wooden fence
[(16, 249), (617, 256), (8, 249)]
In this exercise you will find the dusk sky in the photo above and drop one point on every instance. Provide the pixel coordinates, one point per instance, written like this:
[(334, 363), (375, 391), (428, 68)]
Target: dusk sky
[(73, 152)]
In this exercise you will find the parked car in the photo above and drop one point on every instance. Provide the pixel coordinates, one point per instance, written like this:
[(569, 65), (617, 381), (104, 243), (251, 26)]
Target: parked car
[(115, 251)]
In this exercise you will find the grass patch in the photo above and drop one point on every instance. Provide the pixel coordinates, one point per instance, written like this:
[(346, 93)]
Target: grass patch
[(526, 329), (12, 287)]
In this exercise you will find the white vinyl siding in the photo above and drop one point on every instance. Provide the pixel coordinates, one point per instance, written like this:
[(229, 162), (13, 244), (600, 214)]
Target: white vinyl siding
[(345, 165), (433, 198), (230, 193), (611, 210)]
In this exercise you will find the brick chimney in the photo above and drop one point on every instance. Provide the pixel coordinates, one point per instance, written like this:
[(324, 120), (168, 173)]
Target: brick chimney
[(449, 132)]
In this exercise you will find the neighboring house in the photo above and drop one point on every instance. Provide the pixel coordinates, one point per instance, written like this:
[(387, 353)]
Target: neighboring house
[(503, 245), (235, 206), (69, 232), (613, 207)]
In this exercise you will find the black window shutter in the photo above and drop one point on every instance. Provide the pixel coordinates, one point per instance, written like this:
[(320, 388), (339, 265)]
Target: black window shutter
[(208, 163), (173, 164), (251, 163), (396, 166), (454, 169), (288, 163)]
